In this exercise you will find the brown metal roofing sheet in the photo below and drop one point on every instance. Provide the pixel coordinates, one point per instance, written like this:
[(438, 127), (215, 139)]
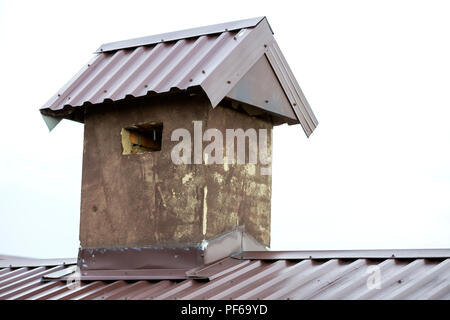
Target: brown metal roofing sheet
[(214, 60), (295, 277), (345, 254)]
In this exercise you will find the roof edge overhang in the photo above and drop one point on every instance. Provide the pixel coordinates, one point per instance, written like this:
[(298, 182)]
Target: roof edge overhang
[(178, 35), (76, 113)]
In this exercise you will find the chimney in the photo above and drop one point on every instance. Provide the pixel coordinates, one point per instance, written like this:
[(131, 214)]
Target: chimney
[(139, 198), (178, 144)]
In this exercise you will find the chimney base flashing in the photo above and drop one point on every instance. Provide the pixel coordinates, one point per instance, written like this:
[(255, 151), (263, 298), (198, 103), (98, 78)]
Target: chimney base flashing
[(186, 256)]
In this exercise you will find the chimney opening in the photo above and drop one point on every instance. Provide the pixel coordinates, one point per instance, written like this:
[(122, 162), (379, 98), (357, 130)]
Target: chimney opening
[(142, 138)]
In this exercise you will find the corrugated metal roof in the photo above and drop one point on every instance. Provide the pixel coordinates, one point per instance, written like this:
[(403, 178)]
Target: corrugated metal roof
[(214, 58), (183, 34), (418, 274)]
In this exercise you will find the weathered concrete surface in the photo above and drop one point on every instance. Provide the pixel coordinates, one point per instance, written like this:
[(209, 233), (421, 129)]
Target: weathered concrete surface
[(146, 200)]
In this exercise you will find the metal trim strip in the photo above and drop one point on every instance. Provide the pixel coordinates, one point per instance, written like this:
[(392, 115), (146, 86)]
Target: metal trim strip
[(182, 34), (345, 254)]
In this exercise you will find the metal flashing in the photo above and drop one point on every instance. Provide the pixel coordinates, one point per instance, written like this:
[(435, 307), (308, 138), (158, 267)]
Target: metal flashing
[(128, 275), (346, 254), (50, 121)]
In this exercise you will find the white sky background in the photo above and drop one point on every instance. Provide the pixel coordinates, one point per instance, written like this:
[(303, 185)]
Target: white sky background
[(374, 174)]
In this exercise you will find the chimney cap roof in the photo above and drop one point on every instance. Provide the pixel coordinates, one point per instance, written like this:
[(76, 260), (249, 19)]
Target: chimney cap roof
[(214, 58), (181, 34)]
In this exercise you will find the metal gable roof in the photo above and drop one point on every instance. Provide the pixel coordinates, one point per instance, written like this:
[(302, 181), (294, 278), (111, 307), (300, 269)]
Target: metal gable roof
[(214, 58), (403, 274)]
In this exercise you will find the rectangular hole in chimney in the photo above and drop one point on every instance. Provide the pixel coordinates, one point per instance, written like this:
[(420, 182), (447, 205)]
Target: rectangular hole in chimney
[(142, 138)]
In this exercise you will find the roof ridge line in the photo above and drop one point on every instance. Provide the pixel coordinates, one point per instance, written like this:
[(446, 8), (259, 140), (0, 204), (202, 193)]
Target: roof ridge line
[(180, 34)]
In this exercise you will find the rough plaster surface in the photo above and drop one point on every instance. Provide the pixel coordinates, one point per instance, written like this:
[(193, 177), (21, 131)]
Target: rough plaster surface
[(146, 200)]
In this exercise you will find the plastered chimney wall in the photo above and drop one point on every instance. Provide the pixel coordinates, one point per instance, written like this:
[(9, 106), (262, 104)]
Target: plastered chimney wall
[(133, 200)]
